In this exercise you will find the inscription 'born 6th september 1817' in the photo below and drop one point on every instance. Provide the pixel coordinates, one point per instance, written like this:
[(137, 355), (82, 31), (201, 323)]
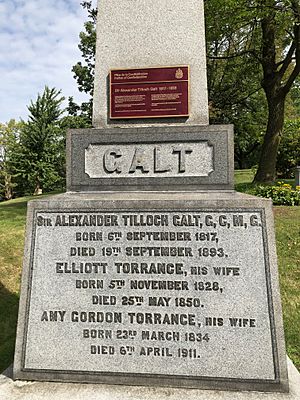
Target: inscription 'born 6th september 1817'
[(137, 288)]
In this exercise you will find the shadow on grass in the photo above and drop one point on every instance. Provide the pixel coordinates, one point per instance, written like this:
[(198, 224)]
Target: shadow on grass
[(14, 209), (17, 207), (245, 187), (9, 303)]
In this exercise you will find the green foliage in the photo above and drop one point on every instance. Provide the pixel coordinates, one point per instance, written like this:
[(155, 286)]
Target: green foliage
[(282, 194), (32, 154), (234, 77), (232, 35), (74, 122), (248, 117), (84, 111), (289, 149), (252, 46), (9, 134), (248, 45), (38, 158), (84, 72), (292, 110)]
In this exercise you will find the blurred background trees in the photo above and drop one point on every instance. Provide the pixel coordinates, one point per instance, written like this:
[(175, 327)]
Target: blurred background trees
[(253, 64)]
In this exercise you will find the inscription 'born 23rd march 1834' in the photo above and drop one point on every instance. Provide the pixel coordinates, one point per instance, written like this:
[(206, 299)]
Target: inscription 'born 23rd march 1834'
[(124, 291)]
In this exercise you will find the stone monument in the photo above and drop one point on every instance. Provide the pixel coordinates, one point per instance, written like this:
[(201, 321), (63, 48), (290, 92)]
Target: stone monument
[(151, 33), (151, 270)]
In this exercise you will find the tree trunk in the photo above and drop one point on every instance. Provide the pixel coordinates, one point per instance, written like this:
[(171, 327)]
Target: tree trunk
[(38, 190), (242, 163), (238, 159), (266, 172), (8, 194)]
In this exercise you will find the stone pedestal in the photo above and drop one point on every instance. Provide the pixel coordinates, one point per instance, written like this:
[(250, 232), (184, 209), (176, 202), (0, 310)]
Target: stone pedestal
[(170, 159), (156, 289), (23, 390)]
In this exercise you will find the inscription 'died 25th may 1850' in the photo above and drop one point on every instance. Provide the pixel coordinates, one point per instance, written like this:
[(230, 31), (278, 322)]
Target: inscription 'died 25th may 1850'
[(127, 292)]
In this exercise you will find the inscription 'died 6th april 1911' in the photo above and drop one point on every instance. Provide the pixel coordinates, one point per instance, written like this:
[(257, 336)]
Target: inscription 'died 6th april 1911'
[(129, 292)]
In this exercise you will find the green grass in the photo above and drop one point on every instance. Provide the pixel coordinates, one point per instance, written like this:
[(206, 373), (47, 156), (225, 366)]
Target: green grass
[(12, 226), (12, 222), (12, 229), (242, 176), (287, 225), (243, 180)]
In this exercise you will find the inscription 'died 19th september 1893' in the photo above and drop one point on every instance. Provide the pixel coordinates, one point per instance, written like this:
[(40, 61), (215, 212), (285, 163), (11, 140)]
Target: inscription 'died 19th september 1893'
[(129, 292)]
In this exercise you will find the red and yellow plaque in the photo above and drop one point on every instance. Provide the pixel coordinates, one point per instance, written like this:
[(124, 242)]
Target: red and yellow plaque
[(158, 92)]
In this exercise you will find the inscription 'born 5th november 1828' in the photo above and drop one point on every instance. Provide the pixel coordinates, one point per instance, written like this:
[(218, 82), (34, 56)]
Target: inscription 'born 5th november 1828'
[(127, 292)]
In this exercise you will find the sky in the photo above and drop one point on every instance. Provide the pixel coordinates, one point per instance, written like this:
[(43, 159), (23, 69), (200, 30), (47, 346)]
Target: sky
[(38, 46)]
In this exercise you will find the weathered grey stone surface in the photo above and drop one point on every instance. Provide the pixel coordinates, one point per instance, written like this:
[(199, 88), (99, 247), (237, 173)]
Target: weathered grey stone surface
[(192, 159), (133, 34), (220, 251), (165, 158), (22, 390)]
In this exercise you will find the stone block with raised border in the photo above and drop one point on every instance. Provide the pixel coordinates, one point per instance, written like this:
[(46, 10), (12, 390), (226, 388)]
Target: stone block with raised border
[(165, 158), (154, 289)]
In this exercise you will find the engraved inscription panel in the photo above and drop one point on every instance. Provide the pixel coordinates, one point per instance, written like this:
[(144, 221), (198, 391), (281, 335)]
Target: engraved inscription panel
[(149, 160), (177, 293)]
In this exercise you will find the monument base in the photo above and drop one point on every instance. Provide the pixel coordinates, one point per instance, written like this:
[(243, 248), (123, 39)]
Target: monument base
[(124, 288), (24, 390)]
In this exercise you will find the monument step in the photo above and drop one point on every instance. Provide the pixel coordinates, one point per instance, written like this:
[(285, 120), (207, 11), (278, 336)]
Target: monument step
[(25, 390)]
